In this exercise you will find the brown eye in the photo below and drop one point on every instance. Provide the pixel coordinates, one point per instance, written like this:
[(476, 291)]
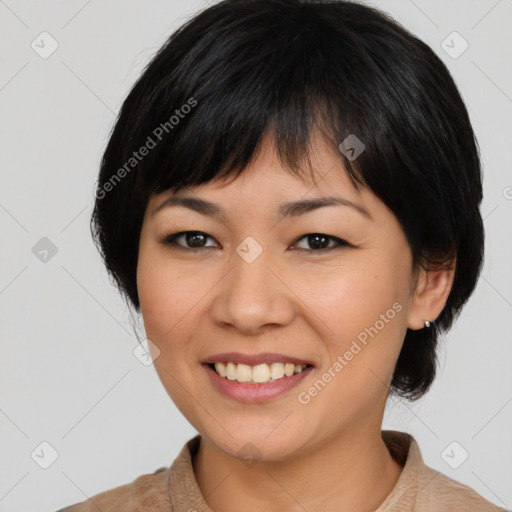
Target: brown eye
[(190, 240), (316, 242), (196, 240)]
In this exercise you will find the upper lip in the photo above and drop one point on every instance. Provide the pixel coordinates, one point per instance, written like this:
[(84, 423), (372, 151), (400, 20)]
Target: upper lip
[(254, 359)]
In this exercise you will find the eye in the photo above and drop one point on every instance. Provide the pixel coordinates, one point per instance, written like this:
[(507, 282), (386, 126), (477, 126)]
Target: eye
[(318, 242), (195, 239)]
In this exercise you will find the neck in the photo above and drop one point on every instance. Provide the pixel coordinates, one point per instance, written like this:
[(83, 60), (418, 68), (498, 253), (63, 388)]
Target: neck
[(353, 472)]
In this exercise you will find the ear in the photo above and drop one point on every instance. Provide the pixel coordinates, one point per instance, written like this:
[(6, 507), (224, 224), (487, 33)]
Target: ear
[(429, 298)]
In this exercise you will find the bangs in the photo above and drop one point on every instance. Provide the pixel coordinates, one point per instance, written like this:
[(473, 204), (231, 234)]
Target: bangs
[(287, 90)]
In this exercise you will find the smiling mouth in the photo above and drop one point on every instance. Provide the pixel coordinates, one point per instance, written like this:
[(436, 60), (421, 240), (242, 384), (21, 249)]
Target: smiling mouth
[(257, 374)]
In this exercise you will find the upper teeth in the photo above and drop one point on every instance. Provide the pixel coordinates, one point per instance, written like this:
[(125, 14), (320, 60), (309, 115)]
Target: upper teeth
[(260, 373)]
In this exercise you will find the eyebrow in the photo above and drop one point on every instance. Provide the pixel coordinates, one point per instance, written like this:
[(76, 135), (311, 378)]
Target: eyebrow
[(286, 210)]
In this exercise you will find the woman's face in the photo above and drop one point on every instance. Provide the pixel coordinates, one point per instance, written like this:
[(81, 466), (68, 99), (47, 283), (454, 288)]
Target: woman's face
[(253, 288)]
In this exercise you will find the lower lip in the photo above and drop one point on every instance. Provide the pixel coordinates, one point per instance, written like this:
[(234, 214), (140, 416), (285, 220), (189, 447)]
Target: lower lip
[(255, 393)]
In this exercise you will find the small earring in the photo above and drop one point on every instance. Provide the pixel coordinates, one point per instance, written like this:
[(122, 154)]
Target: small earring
[(427, 323)]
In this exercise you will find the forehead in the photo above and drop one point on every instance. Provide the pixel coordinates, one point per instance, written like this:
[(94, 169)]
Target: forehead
[(321, 172), (268, 186)]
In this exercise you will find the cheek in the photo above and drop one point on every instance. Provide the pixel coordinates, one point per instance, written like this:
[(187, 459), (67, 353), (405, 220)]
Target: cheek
[(165, 298), (169, 305), (351, 297), (173, 299), (363, 307), (365, 317)]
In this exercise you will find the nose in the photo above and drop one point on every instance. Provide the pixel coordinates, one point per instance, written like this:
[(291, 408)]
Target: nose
[(253, 297)]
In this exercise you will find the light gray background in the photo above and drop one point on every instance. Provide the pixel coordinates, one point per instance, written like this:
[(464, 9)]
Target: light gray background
[(68, 374)]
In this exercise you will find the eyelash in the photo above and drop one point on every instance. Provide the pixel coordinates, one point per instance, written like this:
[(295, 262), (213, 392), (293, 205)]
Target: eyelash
[(171, 241)]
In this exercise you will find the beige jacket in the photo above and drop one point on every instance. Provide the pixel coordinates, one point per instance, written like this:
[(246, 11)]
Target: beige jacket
[(175, 489)]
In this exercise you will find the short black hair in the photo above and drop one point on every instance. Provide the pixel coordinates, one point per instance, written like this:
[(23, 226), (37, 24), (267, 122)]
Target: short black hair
[(243, 69)]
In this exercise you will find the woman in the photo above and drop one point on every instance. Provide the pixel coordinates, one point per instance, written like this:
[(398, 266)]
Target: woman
[(290, 198)]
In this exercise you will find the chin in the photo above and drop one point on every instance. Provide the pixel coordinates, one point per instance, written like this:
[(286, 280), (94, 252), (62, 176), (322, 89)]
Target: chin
[(263, 443)]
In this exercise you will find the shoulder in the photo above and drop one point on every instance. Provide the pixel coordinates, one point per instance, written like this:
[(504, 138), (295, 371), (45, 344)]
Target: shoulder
[(148, 490), (160, 491), (421, 488), (439, 492)]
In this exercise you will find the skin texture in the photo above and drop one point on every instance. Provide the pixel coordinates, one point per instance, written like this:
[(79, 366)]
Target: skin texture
[(294, 299)]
